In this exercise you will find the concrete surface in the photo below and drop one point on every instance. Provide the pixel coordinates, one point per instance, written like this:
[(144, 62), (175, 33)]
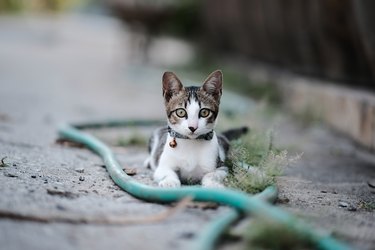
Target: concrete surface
[(71, 69)]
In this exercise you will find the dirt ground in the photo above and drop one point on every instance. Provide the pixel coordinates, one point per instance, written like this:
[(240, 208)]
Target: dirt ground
[(331, 184)]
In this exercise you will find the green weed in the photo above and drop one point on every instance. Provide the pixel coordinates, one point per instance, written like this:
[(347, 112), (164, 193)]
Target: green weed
[(367, 205), (254, 163), (134, 140)]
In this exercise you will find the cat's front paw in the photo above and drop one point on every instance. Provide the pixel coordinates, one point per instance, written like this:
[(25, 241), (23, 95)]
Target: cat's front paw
[(214, 179), (170, 183)]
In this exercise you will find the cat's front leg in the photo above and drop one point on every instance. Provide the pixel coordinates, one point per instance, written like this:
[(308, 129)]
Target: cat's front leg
[(215, 179), (166, 177)]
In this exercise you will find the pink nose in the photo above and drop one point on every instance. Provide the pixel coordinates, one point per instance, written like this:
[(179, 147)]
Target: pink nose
[(192, 129)]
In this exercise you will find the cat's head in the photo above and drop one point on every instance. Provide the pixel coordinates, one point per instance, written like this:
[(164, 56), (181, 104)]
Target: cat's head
[(192, 111)]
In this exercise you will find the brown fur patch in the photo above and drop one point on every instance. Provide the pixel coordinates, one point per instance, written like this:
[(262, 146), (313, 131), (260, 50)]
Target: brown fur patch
[(176, 101), (209, 102)]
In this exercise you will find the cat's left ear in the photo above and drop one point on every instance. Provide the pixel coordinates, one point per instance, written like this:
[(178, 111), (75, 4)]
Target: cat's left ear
[(214, 83)]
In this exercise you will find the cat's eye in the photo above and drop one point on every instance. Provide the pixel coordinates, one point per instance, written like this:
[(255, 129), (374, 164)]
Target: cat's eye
[(181, 113), (204, 113)]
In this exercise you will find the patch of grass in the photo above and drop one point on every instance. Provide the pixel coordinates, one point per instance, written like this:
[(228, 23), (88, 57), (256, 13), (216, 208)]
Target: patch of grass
[(262, 234), (254, 163), (134, 140), (367, 205)]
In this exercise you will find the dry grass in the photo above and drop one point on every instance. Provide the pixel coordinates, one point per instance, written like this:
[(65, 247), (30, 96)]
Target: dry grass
[(254, 162)]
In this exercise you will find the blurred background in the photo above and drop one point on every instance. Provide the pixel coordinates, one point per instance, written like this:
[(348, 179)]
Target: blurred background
[(328, 39), (263, 46)]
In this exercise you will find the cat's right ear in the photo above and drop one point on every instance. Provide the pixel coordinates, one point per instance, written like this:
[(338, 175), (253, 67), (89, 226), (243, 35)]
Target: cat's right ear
[(171, 85)]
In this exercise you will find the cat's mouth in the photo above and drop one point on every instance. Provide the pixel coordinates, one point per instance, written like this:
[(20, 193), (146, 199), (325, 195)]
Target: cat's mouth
[(192, 134)]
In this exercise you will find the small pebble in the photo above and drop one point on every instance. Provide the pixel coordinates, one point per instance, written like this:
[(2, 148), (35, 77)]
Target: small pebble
[(60, 207), (187, 235), (80, 170), (371, 183), (343, 204), (130, 171), (283, 200), (10, 175), (81, 178), (352, 208)]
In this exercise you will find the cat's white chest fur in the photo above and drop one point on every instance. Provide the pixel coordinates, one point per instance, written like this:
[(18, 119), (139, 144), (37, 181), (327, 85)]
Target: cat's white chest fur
[(191, 158), (190, 161)]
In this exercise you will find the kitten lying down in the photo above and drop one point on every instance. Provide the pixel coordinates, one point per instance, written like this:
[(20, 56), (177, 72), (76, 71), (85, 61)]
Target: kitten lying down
[(188, 150)]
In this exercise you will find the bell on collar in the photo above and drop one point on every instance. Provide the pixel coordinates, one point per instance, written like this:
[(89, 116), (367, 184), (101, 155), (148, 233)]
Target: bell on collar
[(173, 143)]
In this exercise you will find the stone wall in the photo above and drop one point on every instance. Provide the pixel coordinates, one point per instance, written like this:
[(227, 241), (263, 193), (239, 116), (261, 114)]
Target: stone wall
[(349, 111)]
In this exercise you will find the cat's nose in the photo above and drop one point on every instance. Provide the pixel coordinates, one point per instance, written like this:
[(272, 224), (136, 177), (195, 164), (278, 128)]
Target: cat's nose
[(192, 129)]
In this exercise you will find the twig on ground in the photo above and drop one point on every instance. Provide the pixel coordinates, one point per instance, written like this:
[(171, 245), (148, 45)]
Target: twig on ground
[(106, 220), (3, 164)]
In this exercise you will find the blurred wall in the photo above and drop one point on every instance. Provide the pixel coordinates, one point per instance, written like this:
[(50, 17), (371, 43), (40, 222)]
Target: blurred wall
[(333, 39)]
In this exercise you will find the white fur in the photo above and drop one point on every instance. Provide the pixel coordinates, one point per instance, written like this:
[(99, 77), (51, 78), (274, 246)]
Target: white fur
[(194, 160)]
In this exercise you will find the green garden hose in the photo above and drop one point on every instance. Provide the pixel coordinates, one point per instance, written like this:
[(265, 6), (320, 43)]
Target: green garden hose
[(212, 232), (242, 202)]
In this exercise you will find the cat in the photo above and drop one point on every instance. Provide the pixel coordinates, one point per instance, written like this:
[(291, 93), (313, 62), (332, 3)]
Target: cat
[(188, 150)]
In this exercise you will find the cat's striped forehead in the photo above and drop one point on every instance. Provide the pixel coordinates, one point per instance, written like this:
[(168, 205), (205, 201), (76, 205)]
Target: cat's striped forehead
[(192, 94)]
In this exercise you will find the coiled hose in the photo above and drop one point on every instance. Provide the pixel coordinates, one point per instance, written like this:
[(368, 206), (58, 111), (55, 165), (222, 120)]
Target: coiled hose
[(239, 201)]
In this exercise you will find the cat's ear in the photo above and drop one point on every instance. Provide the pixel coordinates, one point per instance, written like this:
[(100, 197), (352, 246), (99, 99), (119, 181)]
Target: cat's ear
[(171, 85), (214, 83)]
